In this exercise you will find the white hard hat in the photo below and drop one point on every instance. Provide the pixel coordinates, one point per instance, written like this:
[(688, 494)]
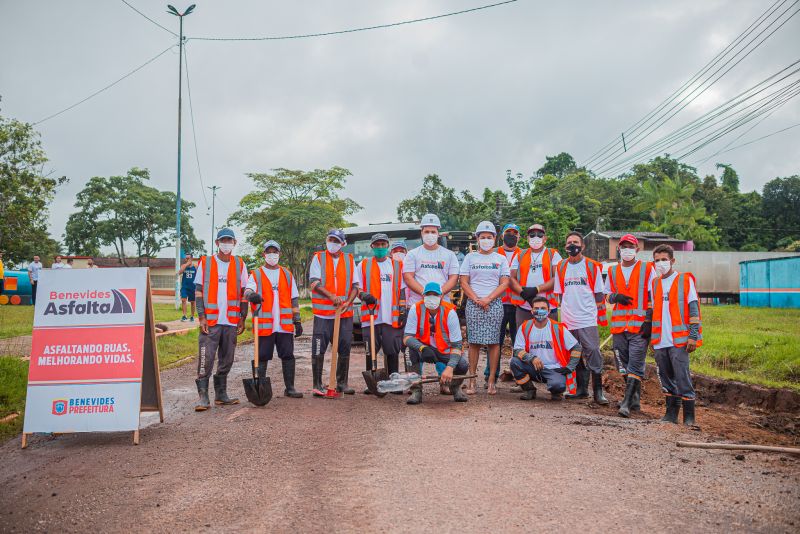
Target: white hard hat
[(486, 226), (430, 220)]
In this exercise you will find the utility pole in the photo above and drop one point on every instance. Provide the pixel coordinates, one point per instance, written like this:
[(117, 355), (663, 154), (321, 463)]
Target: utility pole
[(213, 202), (172, 11), (624, 146)]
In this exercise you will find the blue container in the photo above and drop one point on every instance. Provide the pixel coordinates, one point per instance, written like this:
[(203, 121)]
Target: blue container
[(772, 283)]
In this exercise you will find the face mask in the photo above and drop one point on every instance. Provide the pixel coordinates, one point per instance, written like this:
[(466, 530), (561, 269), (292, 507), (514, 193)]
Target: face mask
[(432, 301), (510, 240), (333, 248), (536, 242), (627, 254), (663, 267), (573, 250), (486, 244), (430, 239), (381, 252), (272, 259), (226, 248), (399, 256), (540, 314)]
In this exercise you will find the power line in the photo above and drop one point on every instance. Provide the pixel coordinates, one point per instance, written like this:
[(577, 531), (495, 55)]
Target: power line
[(109, 86), (151, 20), (755, 140), (353, 30), (194, 135)]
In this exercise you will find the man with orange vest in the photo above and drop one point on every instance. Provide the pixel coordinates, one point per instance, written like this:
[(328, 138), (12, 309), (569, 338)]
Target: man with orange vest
[(433, 334), (273, 290), (628, 289), (546, 352), (384, 297), (676, 332), (219, 287), (532, 274), (334, 284), (579, 281)]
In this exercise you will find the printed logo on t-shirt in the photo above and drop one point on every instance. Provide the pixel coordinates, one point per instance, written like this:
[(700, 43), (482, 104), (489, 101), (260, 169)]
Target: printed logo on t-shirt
[(386, 277), (576, 282), (541, 345), (485, 266), (222, 279), (424, 264)]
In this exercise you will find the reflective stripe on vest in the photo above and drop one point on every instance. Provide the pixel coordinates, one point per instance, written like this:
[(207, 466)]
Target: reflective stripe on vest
[(442, 334), (629, 318), (367, 273), (507, 295), (591, 273), (322, 305), (233, 293), (524, 270), (561, 353), (678, 310), (263, 313)]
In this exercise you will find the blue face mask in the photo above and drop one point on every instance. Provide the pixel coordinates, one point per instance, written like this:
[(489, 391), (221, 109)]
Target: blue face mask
[(540, 314)]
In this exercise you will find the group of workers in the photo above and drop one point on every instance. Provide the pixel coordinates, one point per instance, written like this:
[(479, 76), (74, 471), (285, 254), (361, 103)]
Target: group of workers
[(550, 307)]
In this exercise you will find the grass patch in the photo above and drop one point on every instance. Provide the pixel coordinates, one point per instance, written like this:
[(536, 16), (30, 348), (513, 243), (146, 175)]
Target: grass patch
[(15, 321), (13, 388)]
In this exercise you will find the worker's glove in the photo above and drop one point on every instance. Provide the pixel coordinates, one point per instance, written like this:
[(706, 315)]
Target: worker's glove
[(529, 293), (369, 299), (427, 353), (403, 317), (647, 330), (254, 298), (563, 370), (619, 298), (298, 329)]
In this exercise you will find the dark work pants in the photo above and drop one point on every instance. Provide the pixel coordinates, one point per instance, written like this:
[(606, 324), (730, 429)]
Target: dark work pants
[(34, 285), (630, 351), (388, 339), (323, 335), (220, 342), (461, 368), (283, 341), (672, 364)]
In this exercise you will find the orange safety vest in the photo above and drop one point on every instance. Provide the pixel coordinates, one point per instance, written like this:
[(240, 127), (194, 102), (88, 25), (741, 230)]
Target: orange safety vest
[(561, 353), (515, 253), (525, 269), (339, 283), (263, 314), (371, 282), (211, 286), (591, 267), (678, 311), (442, 334), (631, 317)]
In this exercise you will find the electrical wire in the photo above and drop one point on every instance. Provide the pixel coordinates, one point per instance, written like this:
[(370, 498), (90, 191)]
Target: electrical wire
[(109, 86), (151, 20), (757, 139), (353, 30), (194, 134)]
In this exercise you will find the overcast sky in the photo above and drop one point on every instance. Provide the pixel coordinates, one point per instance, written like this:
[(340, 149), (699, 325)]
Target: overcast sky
[(466, 97)]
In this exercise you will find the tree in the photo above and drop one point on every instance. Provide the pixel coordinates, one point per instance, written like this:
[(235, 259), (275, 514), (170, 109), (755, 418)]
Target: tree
[(295, 208), (730, 178), (559, 166), (25, 194), (781, 205)]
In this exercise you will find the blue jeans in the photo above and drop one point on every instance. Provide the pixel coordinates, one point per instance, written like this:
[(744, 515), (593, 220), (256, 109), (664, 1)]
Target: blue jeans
[(556, 382)]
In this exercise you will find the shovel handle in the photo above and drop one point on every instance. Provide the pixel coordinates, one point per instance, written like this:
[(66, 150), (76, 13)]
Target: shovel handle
[(334, 349), (432, 379), (372, 337), (255, 334)]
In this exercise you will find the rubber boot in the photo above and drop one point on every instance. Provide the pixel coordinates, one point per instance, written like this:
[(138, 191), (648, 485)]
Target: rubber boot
[(673, 408), (262, 370), (637, 397), (288, 366), (203, 403), (625, 405), (581, 383), (221, 391), (458, 393), (688, 412), (445, 390), (529, 391), (368, 367), (597, 389), (416, 395), (556, 397), (316, 375), (342, 372)]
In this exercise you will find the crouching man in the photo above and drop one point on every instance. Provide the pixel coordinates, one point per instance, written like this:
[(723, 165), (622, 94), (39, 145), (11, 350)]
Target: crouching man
[(433, 334), (545, 352)]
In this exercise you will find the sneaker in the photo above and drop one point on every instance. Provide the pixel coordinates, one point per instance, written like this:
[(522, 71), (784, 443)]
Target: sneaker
[(191, 319), (184, 319)]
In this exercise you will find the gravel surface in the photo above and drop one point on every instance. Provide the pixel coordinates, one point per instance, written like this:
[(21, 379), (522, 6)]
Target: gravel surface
[(376, 465)]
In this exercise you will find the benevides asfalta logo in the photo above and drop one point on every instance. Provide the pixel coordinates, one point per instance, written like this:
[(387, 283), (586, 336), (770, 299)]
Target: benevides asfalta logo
[(91, 302)]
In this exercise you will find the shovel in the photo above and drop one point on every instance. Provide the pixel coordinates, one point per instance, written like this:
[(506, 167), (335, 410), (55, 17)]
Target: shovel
[(331, 393), (373, 375), (258, 390)]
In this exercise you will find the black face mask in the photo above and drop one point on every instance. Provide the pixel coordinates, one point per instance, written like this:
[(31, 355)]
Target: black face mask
[(510, 240), (573, 250)]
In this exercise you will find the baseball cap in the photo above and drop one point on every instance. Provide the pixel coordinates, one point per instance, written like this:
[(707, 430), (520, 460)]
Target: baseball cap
[(535, 226), (272, 243), (338, 234), (510, 226), (429, 219), (399, 244), (432, 287), (630, 238), (225, 232), (485, 226), (379, 237)]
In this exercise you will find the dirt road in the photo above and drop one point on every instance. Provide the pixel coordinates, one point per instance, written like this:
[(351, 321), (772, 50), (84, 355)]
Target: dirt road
[(376, 465)]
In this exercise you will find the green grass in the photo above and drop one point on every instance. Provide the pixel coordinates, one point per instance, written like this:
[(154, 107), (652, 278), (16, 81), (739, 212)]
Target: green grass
[(13, 387), (15, 321)]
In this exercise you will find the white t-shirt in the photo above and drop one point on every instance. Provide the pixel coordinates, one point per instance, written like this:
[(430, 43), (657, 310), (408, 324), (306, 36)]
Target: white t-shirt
[(666, 317), (33, 270), (273, 277), (535, 275), (67, 266), (626, 274), (452, 324), (387, 281), (430, 266), (541, 344), (57, 266), (578, 307), (315, 272), (485, 271), (222, 286)]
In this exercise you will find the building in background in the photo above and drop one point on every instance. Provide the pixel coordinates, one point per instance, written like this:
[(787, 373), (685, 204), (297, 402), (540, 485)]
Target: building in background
[(602, 246), (162, 271), (770, 283)]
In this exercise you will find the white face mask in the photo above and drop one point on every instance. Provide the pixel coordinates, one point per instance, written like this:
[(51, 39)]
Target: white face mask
[(399, 256), (272, 259), (430, 239), (627, 254), (536, 242), (663, 267), (226, 248), (333, 248), (432, 301), (486, 244)]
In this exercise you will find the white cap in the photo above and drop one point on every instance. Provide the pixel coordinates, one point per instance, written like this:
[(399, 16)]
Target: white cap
[(430, 220), (486, 226)]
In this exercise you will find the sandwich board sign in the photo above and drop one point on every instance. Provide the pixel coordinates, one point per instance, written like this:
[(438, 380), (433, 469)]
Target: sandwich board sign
[(94, 362)]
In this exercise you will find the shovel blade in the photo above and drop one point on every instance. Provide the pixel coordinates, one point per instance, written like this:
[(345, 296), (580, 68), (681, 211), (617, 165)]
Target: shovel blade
[(258, 390), (371, 378)]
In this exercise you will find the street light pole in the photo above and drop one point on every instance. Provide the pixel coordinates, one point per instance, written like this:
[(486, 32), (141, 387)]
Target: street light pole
[(213, 203)]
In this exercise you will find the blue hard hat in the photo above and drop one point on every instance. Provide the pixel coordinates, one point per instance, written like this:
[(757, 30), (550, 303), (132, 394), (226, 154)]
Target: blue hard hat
[(510, 226), (338, 234), (432, 287), (225, 232)]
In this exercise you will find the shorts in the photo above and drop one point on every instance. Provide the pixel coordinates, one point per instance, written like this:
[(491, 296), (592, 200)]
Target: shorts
[(187, 293)]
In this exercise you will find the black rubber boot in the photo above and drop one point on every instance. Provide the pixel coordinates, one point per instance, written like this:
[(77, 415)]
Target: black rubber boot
[(391, 362), (637, 397), (416, 395), (458, 393), (673, 408), (221, 391), (630, 390), (597, 389), (262, 370), (529, 391), (581, 382), (688, 412), (342, 372), (203, 403), (316, 375), (367, 367), (288, 366)]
